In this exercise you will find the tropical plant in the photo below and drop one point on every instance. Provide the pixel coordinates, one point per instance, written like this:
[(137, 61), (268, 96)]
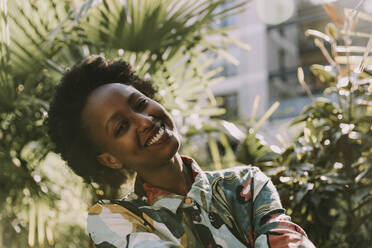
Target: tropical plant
[(325, 176), (164, 40)]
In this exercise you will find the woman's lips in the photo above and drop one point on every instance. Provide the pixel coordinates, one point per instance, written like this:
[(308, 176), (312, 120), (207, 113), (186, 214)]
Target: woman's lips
[(160, 136)]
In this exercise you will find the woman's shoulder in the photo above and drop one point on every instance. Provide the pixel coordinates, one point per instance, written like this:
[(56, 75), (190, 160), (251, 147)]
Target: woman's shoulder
[(238, 173), (111, 212), (127, 205), (109, 218)]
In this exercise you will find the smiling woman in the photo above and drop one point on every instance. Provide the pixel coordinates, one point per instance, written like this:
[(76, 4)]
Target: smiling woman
[(104, 120), (66, 126), (131, 130)]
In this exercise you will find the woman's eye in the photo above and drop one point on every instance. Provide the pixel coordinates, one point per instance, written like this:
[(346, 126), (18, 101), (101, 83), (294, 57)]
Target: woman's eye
[(141, 104), (120, 127)]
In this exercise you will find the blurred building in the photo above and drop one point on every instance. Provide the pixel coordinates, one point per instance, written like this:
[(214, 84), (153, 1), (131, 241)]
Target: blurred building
[(269, 68)]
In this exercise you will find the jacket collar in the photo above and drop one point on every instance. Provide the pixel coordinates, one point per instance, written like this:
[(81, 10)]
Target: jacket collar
[(200, 191)]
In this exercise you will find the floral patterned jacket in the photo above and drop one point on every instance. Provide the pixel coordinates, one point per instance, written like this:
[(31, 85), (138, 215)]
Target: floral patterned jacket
[(236, 207)]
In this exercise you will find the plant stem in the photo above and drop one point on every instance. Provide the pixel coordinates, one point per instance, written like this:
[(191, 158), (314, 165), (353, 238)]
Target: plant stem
[(350, 106)]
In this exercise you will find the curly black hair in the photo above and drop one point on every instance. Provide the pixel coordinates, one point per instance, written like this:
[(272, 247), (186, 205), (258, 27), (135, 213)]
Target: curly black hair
[(64, 123)]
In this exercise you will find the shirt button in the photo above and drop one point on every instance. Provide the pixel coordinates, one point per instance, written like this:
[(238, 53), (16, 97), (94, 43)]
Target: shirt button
[(188, 200), (197, 218)]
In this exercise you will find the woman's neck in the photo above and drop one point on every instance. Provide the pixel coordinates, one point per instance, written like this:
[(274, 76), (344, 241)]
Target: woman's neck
[(174, 177)]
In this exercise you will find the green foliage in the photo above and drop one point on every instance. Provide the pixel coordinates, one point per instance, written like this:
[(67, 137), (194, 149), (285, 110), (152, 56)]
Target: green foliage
[(253, 151), (325, 177), (328, 176)]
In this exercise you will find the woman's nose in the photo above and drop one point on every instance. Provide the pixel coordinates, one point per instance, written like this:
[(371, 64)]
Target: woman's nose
[(144, 121)]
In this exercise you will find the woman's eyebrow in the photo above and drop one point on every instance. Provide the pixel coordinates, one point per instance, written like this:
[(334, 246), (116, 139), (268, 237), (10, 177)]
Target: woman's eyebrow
[(132, 97)]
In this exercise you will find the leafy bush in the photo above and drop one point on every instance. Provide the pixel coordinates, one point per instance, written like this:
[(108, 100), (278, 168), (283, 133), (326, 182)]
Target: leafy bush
[(325, 176)]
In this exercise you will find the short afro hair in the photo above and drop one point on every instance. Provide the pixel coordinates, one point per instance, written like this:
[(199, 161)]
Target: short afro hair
[(65, 128)]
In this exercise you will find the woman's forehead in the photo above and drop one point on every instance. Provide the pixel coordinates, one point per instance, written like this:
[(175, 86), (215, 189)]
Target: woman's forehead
[(106, 99), (112, 90)]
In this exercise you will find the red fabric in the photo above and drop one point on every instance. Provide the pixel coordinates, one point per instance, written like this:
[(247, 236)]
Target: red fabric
[(194, 174), (250, 237), (289, 227), (153, 192), (286, 234), (285, 240), (246, 192), (188, 161)]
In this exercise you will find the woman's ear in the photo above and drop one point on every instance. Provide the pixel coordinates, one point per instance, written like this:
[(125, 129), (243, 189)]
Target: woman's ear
[(109, 160)]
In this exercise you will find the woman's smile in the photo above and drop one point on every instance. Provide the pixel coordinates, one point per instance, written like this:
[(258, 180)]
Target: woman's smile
[(134, 129), (159, 136)]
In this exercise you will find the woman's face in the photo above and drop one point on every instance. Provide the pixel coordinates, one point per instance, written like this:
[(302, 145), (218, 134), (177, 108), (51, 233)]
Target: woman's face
[(130, 129)]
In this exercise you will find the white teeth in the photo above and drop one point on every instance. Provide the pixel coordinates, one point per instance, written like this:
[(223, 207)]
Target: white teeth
[(156, 137)]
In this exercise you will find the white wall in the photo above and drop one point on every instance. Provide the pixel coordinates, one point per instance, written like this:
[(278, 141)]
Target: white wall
[(251, 79)]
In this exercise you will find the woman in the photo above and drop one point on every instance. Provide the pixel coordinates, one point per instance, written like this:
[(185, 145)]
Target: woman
[(104, 121)]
